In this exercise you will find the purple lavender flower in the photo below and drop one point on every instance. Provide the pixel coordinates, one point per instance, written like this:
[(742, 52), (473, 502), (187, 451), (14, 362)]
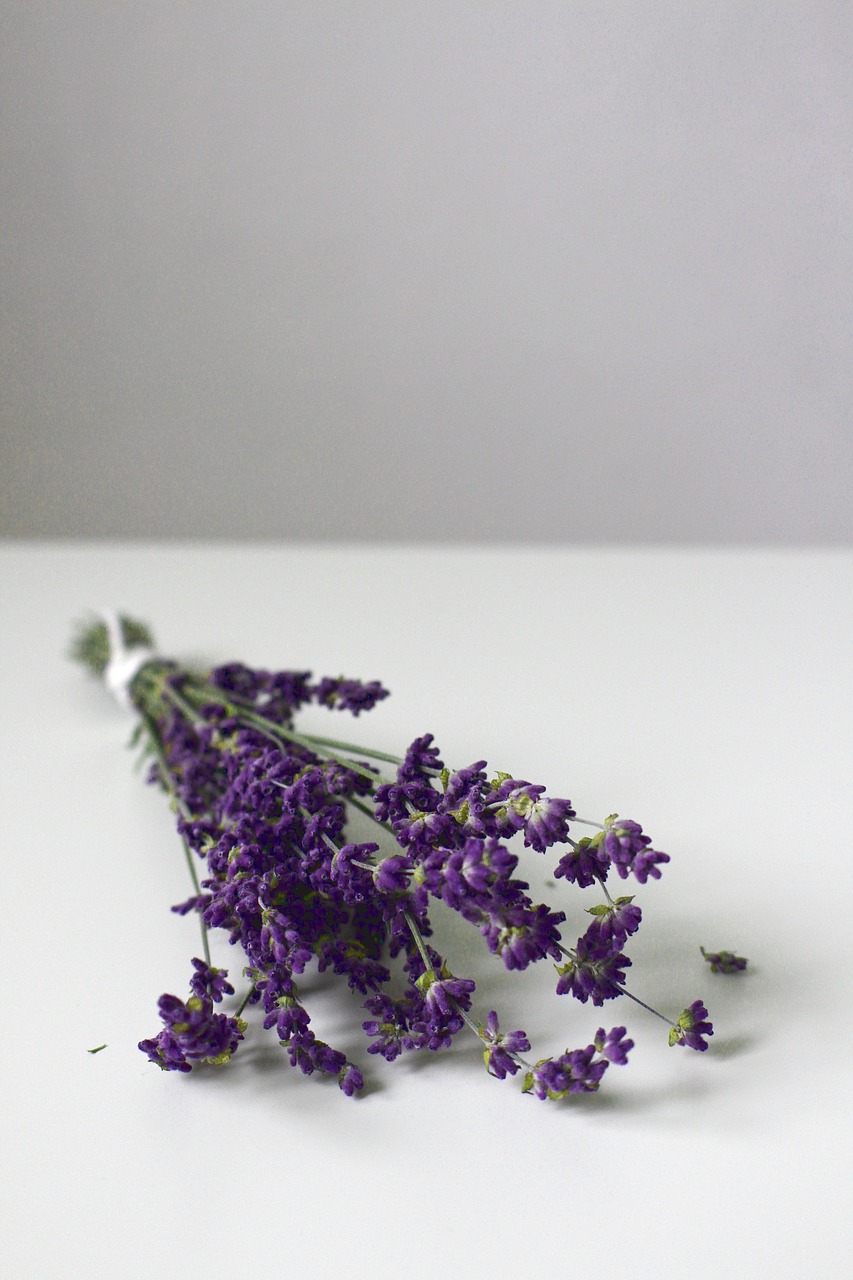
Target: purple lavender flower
[(647, 864), (210, 982), (592, 973), (350, 957), (309, 1054), (546, 1080), (459, 785), (193, 1033), (391, 1028), (584, 862), (575, 1071), (615, 1046), (467, 874), (547, 822), (285, 691), (421, 760), (391, 875), (354, 883), (690, 1027), (350, 1079), (521, 934), (424, 827), (288, 1017), (234, 677), (198, 902), (500, 1049), (442, 992), (623, 840), (614, 922), (349, 695), (521, 806), (628, 849), (583, 1070)]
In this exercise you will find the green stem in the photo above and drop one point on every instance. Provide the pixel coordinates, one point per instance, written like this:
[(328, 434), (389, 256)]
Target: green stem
[(204, 940), (247, 997), (172, 695), (606, 891), (355, 750), (645, 1006), (419, 940), (310, 743), (165, 774), (626, 992)]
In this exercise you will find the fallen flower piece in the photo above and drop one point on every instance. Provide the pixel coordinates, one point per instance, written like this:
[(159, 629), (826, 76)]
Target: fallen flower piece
[(724, 961)]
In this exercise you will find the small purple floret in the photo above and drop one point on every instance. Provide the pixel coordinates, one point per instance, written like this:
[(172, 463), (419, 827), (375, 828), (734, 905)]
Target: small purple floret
[(207, 981), (500, 1048), (691, 1027), (614, 1046)]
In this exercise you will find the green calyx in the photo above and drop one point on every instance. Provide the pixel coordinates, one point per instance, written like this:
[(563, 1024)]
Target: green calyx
[(507, 935), (521, 804), (684, 1022), (606, 908), (425, 981), (603, 909), (431, 975)]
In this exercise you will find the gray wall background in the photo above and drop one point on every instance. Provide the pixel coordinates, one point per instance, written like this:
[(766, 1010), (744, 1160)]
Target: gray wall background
[(537, 271)]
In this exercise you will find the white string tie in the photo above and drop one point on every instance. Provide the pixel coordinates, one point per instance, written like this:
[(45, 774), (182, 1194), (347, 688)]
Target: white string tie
[(124, 663)]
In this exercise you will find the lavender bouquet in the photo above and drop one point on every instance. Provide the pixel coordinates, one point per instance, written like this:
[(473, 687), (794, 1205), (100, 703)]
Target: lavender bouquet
[(262, 812)]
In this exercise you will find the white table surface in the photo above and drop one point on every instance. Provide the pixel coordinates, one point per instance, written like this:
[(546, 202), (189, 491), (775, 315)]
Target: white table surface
[(707, 694)]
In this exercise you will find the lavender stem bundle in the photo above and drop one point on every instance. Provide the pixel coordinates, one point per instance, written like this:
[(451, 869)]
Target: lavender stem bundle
[(263, 810)]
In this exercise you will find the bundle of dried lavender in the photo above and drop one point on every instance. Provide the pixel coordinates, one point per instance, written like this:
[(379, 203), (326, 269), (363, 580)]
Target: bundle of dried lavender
[(263, 809)]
